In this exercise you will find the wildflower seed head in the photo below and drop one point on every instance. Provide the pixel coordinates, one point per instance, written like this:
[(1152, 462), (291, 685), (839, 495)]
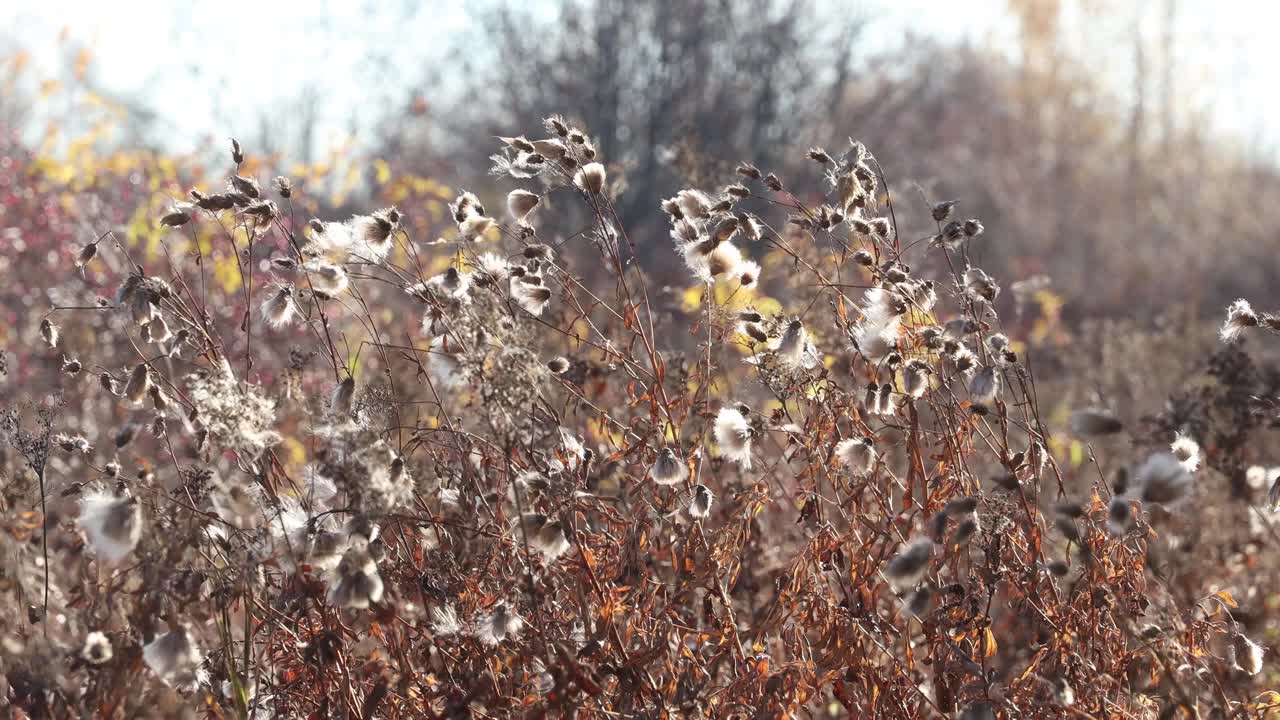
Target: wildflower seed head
[(1187, 451), (279, 309), (754, 331), (915, 377), (668, 468), (87, 253), (97, 649), (340, 402), (356, 584), (501, 624), (49, 333), (733, 435), (590, 178), (557, 125), (819, 156), (984, 386), (71, 366), (177, 215), (1240, 315), (700, 502), (1163, 479), (856, 454), (520, 203), (135, 391), (550, 148), (1246, 655), (176, 659), (112, 524), (907, 568), (942, 211), (979, 285)]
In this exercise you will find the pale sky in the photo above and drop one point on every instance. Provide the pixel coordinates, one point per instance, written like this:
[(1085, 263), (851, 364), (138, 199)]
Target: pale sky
[(207, 67)]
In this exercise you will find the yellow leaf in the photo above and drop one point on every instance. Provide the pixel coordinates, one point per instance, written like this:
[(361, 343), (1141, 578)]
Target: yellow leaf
[(989, 646), (382, 171), (691, 299), (1225, 596)]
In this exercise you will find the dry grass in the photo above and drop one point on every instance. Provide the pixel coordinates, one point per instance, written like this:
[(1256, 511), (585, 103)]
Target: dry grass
[(527, 482)]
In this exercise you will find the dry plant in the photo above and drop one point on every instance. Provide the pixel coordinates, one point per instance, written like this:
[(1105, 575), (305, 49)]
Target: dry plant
[(546, 493)]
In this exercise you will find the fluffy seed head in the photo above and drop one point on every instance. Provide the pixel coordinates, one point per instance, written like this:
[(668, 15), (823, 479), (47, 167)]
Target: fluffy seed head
[(520, 203), (113, 525), (176, 659), (590, 178), (1187, 451), (733, 435), (97, 649), (857, 454), (668, 468), (1246, 654), (1240, 315), (908, 567), (1163, 479), (700, 502)]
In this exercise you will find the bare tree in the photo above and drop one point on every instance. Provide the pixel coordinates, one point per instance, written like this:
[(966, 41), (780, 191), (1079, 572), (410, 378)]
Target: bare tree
[(661, 85)]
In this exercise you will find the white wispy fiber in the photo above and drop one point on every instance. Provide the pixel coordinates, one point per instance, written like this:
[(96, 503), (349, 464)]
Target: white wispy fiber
[(238, 414), (97, 649), (356, 583), (1163, 479), (1240, 315), (373, 234), (794, 349), (444, 620), (279, 309), (733, 435), (499, 625), (1187, 451), (700, 502), (668, 468), (907, 568), (112, 524), (533, 297), (326, 277), (877, 334), (590, 178), (176, 659), (856, 454)]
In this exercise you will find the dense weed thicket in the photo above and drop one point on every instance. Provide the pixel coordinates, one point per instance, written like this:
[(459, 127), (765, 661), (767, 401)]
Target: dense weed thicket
[(370, 473)]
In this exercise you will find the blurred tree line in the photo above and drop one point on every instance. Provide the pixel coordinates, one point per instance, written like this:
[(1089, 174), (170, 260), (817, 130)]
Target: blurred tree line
[(1080, 142), (1074, 172)]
